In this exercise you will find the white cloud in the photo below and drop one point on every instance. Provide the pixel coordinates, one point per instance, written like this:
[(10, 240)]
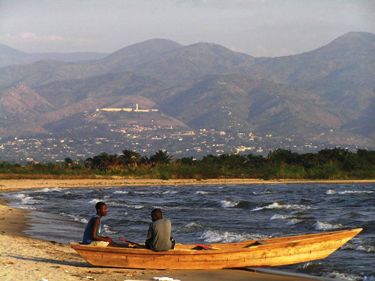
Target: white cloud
[(31, 36), (28, 35)]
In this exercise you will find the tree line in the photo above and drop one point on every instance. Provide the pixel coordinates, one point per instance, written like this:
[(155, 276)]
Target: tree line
[(334, 163)]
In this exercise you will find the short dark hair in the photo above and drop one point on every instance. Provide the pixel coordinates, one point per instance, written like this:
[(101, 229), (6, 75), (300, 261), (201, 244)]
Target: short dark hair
[(157, 212), (99, 205)]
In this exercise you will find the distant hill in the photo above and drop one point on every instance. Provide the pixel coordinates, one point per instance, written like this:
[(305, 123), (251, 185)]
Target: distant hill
[(342, 73), (325, 95), (194, 62), (10, 56), (238, 101)]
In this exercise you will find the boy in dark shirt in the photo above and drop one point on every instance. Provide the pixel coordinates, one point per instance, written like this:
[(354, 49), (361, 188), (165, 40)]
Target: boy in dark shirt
[(94, 228)]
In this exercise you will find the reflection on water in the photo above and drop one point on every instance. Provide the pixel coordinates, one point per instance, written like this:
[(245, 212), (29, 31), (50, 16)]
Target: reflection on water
[(218, 214)]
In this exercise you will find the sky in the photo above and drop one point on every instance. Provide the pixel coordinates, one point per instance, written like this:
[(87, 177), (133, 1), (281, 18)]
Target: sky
[(257, 27)]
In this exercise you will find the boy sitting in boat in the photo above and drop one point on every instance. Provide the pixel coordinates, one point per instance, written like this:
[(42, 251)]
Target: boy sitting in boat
[(92, 234), (159, 233)]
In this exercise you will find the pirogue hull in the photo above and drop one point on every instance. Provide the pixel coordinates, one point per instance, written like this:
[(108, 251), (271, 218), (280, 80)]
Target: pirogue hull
[(250, 253)]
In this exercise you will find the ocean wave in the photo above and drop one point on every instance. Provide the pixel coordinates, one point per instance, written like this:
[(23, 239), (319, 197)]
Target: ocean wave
[(358, 244), (361, 248), (25, 207), (312, 268), (290, 220), (229, 203), (200, 192), (261, 192), (24, 200), (319, 225), (95, 200), (76, 218), (133, 206), (279, 217), (215, 236), (330, 192), (294, 221), (170, 192), (356, 192), (121, 192), (147, 192), (50, 189), (344, 276), (343, 192), (276, 205), (193, 226), (151, 192)]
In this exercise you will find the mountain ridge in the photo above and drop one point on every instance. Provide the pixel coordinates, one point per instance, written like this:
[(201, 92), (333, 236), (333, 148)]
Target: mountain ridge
[(326, 94)]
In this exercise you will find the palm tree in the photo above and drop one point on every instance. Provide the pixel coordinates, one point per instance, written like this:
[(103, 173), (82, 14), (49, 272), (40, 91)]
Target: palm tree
[(161, 157)]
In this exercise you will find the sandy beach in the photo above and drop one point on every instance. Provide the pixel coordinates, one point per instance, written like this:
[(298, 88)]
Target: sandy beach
[(24, 258), (20, 184)]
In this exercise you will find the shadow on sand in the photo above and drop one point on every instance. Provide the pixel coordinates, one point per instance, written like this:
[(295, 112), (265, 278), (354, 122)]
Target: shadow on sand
[(60, 262)]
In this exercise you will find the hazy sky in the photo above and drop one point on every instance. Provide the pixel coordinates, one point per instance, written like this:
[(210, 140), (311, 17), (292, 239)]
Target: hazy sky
[(256, 27)]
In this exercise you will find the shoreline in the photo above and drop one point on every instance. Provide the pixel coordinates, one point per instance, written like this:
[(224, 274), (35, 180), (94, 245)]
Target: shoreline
[(8, 185), (25, 258)]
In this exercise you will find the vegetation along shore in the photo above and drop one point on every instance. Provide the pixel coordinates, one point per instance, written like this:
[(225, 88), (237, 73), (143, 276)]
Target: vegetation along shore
[(327, 164)]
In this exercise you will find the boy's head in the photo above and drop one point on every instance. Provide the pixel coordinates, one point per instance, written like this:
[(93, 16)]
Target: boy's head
[(156, 214), (101, 209)]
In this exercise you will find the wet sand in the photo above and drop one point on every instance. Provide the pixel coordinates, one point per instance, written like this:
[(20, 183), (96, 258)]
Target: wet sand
[(24, 258)]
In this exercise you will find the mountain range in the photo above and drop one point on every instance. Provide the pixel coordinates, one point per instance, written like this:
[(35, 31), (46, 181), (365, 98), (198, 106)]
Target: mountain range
[(325, 95), (11, 56)]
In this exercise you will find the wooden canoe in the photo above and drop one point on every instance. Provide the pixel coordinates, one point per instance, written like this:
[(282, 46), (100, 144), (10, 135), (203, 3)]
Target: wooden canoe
[(250, 253)]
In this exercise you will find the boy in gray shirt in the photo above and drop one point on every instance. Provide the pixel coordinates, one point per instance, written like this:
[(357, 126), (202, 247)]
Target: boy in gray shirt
[(159, 233)]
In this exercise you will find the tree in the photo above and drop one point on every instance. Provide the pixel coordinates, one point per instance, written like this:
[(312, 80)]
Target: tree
[(279, 156), (160, 157), (130, 158), (68, 162)]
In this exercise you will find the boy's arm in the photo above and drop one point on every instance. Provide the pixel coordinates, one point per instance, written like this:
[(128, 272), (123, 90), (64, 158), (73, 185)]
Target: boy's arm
[(95, 235), (149, 232)]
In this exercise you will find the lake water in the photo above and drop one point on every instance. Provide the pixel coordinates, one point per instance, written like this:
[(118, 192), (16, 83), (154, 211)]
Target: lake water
[(221, 213)]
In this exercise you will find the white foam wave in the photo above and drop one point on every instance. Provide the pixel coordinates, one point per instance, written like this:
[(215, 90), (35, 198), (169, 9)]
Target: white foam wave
[(361, 248), (279, 217), (319, 225), (170, 192), (343, 192), (229, 203), (330, 192), (95, 200), (294, 221), (121, 192), (24, 200), (276, 205), (200, 192), (356, 192), (193, 225), (369, 249), (290, 219), (135, 206), (76, 218), (50, 189), (261, 192), (214, 236), (343, 276), (308, 265), (146, 192)]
